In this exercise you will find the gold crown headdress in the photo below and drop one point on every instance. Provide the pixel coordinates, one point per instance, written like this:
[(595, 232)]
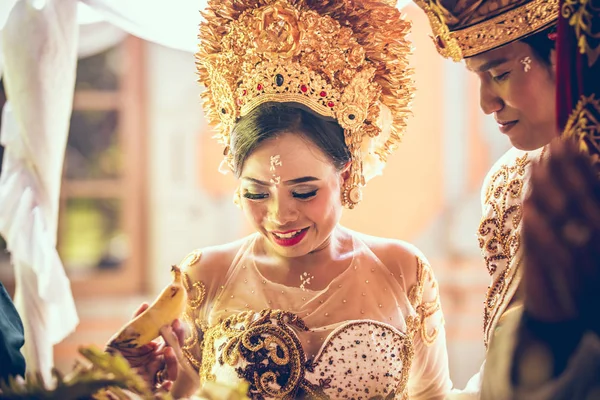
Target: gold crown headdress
[(467, 28), (343, 59)]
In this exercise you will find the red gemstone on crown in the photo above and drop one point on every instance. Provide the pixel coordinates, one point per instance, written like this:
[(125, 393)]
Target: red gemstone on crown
[(245, 92), (330, 104), (323, 94), (304, 88), (259, 87)]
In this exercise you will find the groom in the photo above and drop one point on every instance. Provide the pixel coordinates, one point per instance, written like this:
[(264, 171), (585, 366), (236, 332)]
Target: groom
[(511, 46)]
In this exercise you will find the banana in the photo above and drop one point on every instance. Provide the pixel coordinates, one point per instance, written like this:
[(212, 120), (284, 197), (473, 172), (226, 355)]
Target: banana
[(144, 328)]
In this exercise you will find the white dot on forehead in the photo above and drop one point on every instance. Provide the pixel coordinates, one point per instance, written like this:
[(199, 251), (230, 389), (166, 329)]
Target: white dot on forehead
[(275, 162)]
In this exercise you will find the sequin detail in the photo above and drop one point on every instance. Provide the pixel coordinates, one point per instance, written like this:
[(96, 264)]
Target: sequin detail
[(499, 235), (360, 359), (425, 309)]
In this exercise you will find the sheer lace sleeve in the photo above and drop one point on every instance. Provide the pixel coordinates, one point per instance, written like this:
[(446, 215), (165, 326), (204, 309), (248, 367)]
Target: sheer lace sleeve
[(196, 310), (429, 375)]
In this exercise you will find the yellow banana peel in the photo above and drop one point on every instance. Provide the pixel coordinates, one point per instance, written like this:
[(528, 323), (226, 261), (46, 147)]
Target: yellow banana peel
[(144, 328)]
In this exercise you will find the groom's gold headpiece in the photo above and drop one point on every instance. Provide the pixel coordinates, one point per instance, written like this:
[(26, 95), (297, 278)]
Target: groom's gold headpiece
[(343, 59), (466, 28)]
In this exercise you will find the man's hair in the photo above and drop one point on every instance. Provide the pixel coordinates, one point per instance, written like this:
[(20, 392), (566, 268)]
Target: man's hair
[(542, 43)]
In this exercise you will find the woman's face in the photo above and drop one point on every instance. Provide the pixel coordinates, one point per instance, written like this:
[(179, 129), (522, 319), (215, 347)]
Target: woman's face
[(290, 192)]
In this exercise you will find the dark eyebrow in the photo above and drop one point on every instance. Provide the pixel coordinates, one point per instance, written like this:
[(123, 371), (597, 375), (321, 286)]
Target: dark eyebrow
[(290, 182), (490, 64), (301, 180)]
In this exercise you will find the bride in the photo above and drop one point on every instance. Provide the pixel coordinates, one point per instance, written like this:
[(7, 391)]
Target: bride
[(308, 97)]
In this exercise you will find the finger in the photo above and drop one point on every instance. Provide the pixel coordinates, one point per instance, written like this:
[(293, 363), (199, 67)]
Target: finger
[(136, 357), (179, 330), (172, 340), (172, 365), (165, 387), (151, 369), (143, 307), (141, 351)]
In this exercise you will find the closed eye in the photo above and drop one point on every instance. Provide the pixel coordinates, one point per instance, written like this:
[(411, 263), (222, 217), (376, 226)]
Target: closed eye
[(501, 77), (255, 196), (304, 196)]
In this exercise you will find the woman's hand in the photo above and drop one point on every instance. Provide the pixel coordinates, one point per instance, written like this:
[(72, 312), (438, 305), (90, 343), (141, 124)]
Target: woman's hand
[(157, 362)]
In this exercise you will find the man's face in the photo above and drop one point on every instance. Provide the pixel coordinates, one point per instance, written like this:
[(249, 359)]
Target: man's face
[(519, 89)]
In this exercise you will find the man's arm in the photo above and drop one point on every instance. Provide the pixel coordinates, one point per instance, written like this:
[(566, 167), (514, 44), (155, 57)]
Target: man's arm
[(11, 338)]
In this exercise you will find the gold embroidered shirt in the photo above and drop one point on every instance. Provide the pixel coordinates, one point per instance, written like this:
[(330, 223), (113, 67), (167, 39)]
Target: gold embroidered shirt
[(499, 232)]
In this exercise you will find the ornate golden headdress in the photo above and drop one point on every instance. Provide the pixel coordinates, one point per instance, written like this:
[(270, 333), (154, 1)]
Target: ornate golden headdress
[(466, 28), (343, 59)]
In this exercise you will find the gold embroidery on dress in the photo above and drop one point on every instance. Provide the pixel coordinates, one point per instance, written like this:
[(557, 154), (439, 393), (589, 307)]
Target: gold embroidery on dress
[(208, 353), (191, 259), (407, 356), (275, 362), (424, 309), (196, 294), (499, 235), (584, 126), (265, 351), (581, 15)]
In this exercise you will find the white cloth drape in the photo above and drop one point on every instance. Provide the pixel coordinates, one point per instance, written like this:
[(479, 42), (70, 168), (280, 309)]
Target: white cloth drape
[(39, 76), (40, 41)]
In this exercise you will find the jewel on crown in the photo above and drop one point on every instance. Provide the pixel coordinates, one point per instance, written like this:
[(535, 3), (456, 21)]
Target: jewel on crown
[(290, 81)]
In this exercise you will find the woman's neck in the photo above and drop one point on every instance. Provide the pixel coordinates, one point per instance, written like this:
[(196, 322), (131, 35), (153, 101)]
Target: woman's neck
[(330, 250)]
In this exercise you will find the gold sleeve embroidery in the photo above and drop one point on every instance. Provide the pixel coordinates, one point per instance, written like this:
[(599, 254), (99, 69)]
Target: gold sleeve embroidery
[(192, 347), (425, 309)]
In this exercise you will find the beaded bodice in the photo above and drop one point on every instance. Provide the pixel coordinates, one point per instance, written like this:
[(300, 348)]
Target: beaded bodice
[(371, 333)]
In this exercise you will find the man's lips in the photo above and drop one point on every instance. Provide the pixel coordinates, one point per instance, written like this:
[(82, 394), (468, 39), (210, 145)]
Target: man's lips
[(506, 126)]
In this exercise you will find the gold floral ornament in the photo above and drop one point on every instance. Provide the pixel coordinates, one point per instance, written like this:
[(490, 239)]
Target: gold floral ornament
[(584, 126), (344, 60), (581, 15)]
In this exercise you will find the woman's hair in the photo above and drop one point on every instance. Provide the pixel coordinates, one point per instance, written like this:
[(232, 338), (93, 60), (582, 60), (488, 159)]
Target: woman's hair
[(270, 120), (542, 43)]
